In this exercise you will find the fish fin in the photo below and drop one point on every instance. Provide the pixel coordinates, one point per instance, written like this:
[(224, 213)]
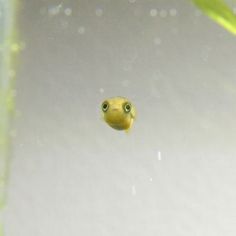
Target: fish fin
[(127, 131)]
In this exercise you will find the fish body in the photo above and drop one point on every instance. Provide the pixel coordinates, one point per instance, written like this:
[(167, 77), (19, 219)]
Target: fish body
[(118, 112)]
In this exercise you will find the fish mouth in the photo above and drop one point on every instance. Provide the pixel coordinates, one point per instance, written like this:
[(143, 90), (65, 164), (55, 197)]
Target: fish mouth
[(115, 109)]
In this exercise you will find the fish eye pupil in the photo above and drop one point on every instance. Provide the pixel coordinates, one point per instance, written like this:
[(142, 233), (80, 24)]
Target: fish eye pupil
[(127, 107), (105, 106)]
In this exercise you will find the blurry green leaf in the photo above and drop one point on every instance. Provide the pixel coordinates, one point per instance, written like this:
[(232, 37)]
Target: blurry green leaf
[(220, 12)]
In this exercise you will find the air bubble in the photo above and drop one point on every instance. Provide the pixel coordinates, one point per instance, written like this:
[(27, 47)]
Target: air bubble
[(101, 90), (153, 12), (99, 12), (133, 190), (173, 12), (163, 13), (157, 41), (68, 11), (81, 30), (132, 1)]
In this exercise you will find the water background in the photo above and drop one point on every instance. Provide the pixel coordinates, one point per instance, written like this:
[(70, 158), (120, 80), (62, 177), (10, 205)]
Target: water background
[(174, 173)]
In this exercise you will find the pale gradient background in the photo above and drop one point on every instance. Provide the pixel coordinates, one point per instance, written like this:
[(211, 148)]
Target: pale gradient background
[(175, 173)]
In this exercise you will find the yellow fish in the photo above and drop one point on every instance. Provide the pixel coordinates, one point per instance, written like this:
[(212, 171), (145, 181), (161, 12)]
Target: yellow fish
[(119, 113)]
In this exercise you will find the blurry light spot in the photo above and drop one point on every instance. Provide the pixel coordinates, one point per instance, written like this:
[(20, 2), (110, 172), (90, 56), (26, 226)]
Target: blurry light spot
[(163, 13), (133, 190), (15, 47), (153, 12), (150, 179), (68, 11), (173, 12), (99, 12), (81, 30), (54, 10), (157, 41), (101, 90), (132, 1), (159, 155)]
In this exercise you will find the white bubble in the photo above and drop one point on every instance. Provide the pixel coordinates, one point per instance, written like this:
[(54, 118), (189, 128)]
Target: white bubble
[(99, 12), (163, 13), (153, 12), (159, 155), (173, 12), (68, 11), (101, 90), (157, 41), (133, 190), (150, 179), (132, 1), (81, 30)]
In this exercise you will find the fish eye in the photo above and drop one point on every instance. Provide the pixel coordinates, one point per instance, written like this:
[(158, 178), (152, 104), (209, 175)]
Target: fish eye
[(105, 106), (127, 107)]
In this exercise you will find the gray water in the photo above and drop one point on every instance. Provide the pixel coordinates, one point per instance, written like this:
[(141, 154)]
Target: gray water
[(174, 173)]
